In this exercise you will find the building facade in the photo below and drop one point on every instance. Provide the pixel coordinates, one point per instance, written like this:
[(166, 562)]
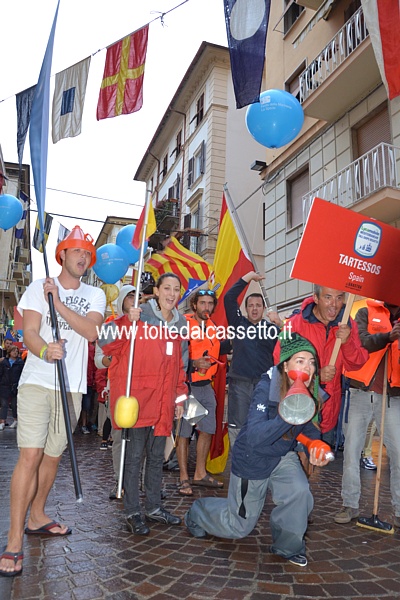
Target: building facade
[(15, 254), (200, 144), (348, 149)]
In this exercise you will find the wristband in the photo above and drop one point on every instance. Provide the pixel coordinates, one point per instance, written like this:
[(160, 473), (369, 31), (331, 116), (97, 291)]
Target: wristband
[(43, 350), (44, 357)]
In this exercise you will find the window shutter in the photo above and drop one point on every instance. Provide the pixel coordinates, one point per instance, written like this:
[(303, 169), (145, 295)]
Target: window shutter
[(203, 157), (298, 187), (178, 186), (190, 172), (374, 132)]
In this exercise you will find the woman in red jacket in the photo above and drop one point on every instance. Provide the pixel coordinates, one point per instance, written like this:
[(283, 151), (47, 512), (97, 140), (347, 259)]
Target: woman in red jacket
[(158, 381)]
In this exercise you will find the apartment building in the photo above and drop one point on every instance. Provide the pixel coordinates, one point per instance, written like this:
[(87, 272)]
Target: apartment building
[(200, 144), (348, 149), (15, 254)]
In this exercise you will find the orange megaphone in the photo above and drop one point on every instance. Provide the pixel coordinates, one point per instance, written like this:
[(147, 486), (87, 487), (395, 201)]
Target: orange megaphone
[(318, 444), (298, 406)]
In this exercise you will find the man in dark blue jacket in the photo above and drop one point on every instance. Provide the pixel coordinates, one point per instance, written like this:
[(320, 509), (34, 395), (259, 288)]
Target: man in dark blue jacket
[(264, 458), (253, 346)]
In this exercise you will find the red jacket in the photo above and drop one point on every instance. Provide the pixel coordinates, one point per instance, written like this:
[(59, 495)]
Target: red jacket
[(158, 377), (351, 355)]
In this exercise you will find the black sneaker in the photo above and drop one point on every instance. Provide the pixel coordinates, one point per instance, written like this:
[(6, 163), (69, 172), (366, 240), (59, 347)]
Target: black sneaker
[(103, 446), (298, 559), (136, 524), (113, 492), (160, 515)]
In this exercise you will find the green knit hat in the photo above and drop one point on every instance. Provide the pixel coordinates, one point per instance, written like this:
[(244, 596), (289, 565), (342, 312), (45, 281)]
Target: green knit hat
[(291, 343)]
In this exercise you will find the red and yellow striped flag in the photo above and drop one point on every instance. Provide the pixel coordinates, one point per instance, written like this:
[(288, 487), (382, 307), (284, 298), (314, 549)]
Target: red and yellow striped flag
[(177, 259)]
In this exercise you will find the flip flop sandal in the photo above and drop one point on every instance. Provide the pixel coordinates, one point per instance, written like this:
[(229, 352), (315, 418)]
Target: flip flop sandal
[(15, 556), (46, 530), (184, 488), (208, 481)]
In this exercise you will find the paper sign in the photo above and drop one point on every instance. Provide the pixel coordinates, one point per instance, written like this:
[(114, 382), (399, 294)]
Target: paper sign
[(348, 251)]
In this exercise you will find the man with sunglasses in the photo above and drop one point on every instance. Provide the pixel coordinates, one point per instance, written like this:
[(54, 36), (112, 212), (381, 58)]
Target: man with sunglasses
[(204, 349), (253, 346)]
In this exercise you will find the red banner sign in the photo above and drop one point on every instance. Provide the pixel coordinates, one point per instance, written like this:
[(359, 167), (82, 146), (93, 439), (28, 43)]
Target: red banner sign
[(345, 250)]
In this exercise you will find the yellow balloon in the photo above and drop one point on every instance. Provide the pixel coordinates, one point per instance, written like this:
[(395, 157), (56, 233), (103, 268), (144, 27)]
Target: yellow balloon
[(126, 412)]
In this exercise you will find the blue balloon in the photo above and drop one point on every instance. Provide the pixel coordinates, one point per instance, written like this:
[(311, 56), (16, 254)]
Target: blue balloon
[(111, 264), (10, 211), (276, 119), (124, 239)]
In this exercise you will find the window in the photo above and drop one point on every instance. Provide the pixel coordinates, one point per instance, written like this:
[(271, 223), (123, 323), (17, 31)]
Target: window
[(178, 147), (292, 85), (165, 167), (197, 164), (152, 184), (195, 224), (297, 187), (292, 13), (198, 117)]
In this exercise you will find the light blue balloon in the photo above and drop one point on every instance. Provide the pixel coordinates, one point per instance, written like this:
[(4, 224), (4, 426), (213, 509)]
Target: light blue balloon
[(276, 119), (124, 239), (111, 264), (10, 211)]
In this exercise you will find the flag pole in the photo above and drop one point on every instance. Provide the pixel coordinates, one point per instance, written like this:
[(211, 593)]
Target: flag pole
[(63, 389), (133, 337), (243, 241), (38, 138)]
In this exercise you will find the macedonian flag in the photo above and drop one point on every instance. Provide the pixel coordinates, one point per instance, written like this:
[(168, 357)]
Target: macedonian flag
[(121, 91)]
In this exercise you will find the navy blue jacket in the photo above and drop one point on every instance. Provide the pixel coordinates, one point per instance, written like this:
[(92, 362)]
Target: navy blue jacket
[(251, 357), (259, 445)]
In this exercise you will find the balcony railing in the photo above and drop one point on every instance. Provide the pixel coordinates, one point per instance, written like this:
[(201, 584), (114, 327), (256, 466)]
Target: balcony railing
[(377, 169), (347, 39)]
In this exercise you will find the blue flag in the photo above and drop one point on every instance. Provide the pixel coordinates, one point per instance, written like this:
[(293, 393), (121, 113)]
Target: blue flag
[(246, 28), (39, 127)]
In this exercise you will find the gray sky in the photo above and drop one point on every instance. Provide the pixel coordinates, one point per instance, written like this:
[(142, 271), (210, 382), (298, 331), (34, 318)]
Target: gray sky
[(99, 165)]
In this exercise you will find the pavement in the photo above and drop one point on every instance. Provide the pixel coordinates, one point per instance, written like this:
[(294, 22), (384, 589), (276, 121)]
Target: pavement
[(101, 559)]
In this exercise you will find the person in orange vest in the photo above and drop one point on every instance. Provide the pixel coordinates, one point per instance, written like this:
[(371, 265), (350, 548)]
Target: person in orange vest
[(204, 346), (379, 330)]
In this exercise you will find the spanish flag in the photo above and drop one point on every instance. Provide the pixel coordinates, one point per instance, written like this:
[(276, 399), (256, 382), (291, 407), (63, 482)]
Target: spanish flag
[(151, 226), (231, 262)]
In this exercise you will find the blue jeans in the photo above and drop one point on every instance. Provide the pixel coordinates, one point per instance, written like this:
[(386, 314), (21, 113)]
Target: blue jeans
[(365, 406), (142, 443)]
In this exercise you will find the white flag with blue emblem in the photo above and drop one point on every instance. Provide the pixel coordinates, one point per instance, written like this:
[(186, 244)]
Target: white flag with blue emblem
[(69, 99)]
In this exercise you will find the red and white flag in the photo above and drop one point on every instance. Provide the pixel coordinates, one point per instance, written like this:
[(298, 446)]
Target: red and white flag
[(383, 22)]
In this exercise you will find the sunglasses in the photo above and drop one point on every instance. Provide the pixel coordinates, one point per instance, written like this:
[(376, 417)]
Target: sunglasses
[(206, 293)]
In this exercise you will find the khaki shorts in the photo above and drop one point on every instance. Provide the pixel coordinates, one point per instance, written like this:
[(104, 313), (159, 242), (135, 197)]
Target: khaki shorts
[(41, 419)]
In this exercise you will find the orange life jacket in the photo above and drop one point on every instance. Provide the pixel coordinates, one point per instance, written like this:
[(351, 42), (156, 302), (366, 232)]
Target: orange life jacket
[(379, 322), (201, 341)]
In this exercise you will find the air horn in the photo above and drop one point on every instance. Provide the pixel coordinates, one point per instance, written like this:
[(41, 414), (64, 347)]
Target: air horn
[(298, 406)]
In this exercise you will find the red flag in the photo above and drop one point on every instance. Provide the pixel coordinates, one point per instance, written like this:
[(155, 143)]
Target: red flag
[(121, 91), (383, 22), (151, 226)]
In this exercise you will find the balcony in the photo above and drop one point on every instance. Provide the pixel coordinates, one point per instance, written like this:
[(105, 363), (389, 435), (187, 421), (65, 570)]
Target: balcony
[(8, 288), (23, 256), (26, 277), (343, 73), (17, 270), (370, 185)]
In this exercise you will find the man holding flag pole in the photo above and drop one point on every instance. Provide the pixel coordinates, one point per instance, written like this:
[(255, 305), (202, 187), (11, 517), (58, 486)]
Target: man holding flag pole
[(47, 306)]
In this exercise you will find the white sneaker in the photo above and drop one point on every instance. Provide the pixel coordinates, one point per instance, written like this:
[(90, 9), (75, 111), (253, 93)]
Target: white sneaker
[(13, 425), (1, 426)]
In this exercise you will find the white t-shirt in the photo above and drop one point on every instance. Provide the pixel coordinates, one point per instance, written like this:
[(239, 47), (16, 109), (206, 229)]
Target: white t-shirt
[(83, 300)]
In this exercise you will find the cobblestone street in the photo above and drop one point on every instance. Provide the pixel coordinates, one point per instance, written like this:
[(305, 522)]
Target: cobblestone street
[(101, 559)]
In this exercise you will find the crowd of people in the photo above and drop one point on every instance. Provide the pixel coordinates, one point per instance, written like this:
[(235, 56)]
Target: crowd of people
[(173, 358)]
